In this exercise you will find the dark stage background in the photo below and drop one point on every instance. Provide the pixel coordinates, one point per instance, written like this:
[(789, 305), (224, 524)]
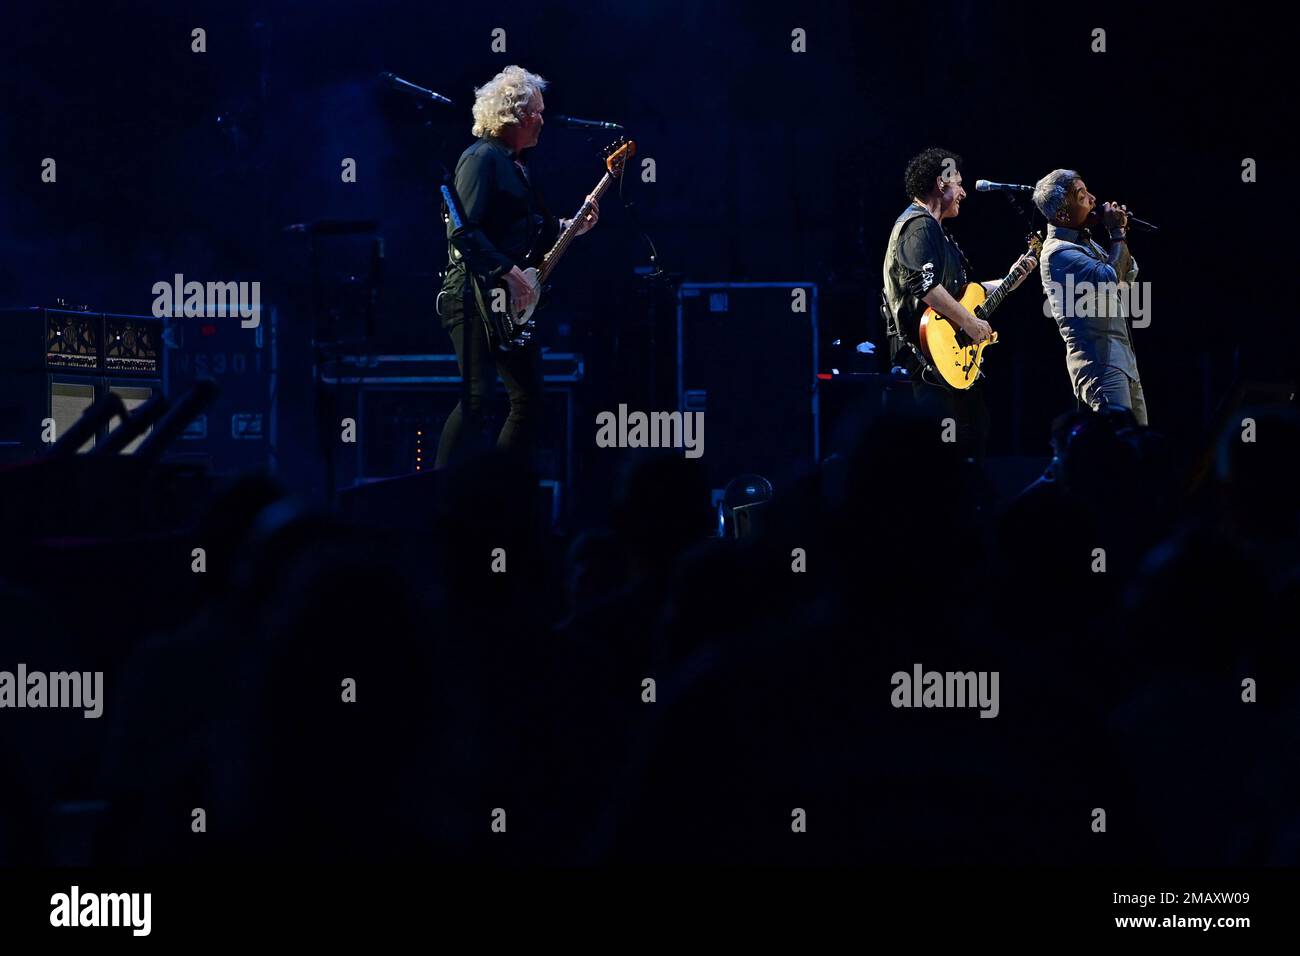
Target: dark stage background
[(771, 165), (481, 690)]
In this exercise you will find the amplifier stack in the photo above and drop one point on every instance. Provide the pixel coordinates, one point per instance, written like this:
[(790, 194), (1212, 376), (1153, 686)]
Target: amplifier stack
[(56, 362)]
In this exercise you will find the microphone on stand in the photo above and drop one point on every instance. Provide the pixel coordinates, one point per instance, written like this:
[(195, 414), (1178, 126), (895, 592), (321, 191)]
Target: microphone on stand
[(405, 86), (574, 123), (984, 186)]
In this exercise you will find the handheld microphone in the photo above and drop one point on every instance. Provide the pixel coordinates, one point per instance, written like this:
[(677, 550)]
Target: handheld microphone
[(984, 186), (1141, 225)]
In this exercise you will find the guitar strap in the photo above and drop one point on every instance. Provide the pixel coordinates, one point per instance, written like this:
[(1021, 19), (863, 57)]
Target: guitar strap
[(534, 254), (965, 263)]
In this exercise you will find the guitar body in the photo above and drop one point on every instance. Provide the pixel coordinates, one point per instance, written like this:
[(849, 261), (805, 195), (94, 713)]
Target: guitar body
[(949, 349), (535, 283), (512, 328), (957, 359)]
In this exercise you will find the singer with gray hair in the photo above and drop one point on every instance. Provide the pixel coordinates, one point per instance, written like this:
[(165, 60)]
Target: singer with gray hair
[(1087, 287)]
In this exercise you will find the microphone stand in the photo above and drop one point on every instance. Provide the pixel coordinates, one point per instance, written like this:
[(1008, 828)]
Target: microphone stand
[(1027, 215), (1031, 215)]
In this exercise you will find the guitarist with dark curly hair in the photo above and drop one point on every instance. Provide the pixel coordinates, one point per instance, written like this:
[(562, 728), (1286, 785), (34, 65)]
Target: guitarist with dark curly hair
[(925, 267)]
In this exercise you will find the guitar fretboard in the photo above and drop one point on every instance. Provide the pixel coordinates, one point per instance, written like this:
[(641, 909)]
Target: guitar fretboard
[(566, 237), (989, 306), (995, 298)]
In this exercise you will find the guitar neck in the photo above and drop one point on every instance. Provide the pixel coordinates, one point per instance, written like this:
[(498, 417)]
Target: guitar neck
[(566, 237), (995, 298)]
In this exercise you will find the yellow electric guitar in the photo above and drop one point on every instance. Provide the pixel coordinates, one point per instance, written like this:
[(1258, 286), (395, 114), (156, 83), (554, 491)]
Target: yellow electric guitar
[(956, 358)]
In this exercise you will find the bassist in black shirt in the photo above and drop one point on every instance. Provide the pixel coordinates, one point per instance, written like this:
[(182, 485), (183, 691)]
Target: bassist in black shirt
[(504, 221)]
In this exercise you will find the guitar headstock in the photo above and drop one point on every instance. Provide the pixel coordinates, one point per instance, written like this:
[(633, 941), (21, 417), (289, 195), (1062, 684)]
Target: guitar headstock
[(1035, 240), (617, 154)]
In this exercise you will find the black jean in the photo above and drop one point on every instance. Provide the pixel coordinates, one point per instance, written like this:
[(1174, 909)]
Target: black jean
[(967, 408), (520, 371)]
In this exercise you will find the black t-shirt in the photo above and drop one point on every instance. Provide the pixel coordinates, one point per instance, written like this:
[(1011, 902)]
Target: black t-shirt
[(920, 256)]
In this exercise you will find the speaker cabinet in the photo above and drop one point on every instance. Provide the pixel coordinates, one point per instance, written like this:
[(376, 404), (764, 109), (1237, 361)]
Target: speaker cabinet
[(54, 363), (133, 395), (68, 402), (747, 359), (399, 428)]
